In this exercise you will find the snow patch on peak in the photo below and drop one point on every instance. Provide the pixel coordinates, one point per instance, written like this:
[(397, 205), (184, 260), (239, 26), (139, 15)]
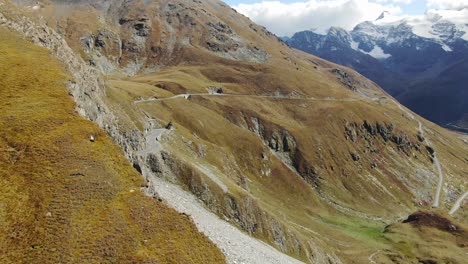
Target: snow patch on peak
[(446, 48), (465, 36), (378, 53)]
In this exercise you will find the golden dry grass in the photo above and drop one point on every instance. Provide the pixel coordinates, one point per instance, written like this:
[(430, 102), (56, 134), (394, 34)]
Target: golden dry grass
[(434, 237), (47, 215), (219, 123)]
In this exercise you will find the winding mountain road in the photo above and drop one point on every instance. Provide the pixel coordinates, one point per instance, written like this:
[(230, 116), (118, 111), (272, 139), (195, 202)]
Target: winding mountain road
[(436, 203), (439, 169), (187, 96)]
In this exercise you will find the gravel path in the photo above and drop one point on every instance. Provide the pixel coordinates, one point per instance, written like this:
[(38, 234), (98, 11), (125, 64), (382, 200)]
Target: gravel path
[(187, 96), (237, 246), (436, 160), (439, 185), (152, 141), (458, 203)]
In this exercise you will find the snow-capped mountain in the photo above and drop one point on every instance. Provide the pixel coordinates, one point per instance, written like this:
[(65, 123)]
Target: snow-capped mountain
[(401, 54), (441, 27)]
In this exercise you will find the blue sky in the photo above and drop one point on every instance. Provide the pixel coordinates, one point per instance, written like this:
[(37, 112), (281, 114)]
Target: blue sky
[(285, 17)]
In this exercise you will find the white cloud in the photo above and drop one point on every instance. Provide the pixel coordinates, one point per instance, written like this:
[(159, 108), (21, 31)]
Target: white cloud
[(284, 19), (448, 4), (395, 1)]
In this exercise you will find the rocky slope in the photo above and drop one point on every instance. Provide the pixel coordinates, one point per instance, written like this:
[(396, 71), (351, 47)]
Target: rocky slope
[(68, 193), (303, 154), (418, 60)]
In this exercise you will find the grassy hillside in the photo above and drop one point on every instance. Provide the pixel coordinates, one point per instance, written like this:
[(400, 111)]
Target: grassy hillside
[(307, 155), (426, 237), (314, 187), (66, 199)]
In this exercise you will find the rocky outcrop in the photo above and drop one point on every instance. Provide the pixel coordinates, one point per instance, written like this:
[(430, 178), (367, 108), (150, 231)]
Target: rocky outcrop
[(215, 89), (308, 172), (146, 36), (345, 79), (103, 49), (223, 41), (368, 132), (434, 220), (86, 86), (285, 147)]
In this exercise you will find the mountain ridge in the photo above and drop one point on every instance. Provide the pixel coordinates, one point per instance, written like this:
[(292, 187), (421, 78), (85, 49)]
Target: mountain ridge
[(402, 55)]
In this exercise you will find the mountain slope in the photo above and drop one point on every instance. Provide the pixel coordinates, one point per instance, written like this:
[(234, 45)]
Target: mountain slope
[(65, 198), (301, 153), (403, 56), (442, 93)]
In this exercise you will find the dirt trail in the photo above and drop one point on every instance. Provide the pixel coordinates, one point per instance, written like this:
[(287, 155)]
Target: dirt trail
[(439, 185), (211, 173), (436, 203), (187, 96), (458, 203), (237, 246)]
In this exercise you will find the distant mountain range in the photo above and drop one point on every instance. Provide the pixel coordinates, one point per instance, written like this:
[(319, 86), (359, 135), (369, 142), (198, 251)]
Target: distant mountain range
[(422, 61)]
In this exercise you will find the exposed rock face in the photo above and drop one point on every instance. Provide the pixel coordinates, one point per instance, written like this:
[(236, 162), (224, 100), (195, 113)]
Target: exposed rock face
[(86, 86), (215, 89), (143, 36), (285, 147), (368, 132), (345, 79), (281, 141)]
